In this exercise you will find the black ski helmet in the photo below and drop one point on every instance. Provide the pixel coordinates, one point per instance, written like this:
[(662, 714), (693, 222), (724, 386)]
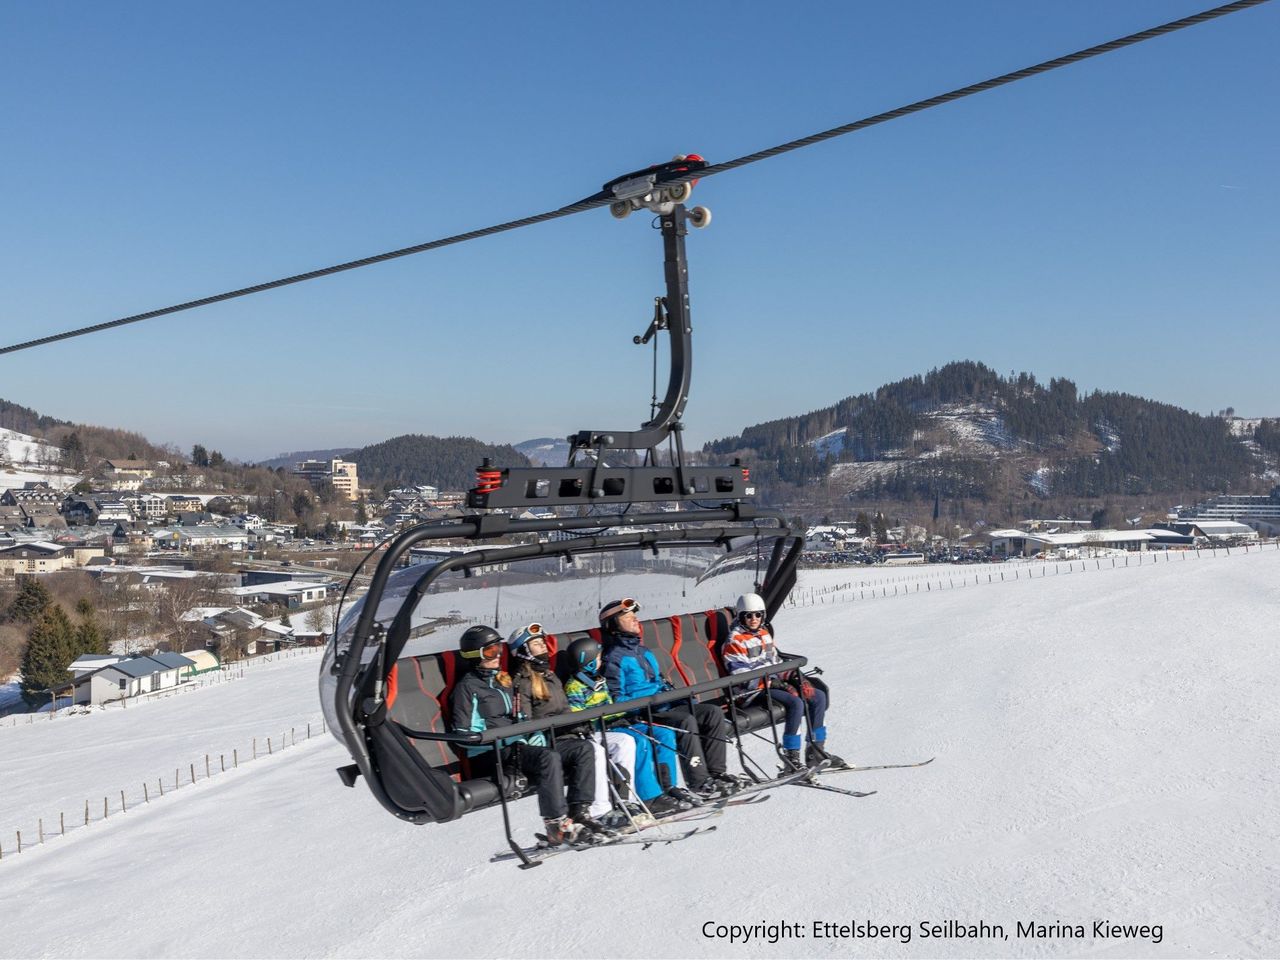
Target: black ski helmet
[(582, 651), (475, 639), (615, 607)]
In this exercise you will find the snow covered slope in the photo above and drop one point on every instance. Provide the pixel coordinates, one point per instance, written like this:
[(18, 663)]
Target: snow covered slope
[(1106, 744), (26, 459)]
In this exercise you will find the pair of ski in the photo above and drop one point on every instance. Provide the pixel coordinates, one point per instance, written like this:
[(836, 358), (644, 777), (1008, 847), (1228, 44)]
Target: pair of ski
[(814, 783), (749, 795), (630, 836)]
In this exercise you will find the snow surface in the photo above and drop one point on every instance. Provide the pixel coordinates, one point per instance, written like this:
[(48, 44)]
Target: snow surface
[(36, 457), (829, 444), (1105, 740)]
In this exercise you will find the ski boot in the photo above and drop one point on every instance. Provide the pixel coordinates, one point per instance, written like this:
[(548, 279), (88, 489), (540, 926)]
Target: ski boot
[(685, 797), (816, 753), (562, 830), (664, 805), (727, 782), (592, 829), (791, 762)]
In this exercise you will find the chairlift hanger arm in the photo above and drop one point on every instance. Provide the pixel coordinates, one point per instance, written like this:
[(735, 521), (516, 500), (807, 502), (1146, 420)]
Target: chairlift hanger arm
[(675, 319)]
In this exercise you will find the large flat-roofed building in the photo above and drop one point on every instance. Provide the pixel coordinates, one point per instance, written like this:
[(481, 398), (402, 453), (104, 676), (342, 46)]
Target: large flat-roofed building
[(1237, 507), (342, 474)]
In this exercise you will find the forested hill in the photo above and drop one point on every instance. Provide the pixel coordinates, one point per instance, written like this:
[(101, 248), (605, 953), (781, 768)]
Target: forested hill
[(446, 462), (966, 430), (25, 420), (81, 444)]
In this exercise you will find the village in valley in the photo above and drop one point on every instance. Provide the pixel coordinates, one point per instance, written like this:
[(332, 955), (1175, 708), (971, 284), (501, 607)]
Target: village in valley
[(130, 579)]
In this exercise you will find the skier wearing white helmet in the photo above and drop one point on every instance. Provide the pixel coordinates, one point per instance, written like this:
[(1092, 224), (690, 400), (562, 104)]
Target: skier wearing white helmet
[(749, 647)]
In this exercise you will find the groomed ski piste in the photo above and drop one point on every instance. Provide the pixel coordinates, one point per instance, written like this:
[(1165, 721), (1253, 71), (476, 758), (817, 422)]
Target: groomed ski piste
[(1105, 740)]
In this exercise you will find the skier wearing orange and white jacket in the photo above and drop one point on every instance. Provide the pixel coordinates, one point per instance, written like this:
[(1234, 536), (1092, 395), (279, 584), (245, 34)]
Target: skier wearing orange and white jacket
[(749, 647)]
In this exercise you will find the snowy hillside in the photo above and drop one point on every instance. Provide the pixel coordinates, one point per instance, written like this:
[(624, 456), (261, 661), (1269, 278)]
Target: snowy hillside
[(545, 451), (26, 459), (1105, 741)]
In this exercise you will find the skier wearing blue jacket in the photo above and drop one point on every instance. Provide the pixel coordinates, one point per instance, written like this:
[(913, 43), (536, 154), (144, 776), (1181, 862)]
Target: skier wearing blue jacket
[(631, 671), (653, 767)]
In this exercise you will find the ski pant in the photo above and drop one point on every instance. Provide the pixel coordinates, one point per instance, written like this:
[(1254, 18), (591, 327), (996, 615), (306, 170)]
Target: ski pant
[(702, 733), (548, 768), (622, 752), (797, 707), (655, 768)]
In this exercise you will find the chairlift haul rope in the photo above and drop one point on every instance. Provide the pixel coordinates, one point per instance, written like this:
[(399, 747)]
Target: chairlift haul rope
[(603, 198)]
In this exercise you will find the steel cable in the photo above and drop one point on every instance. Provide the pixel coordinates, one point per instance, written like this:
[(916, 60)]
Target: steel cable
[(601, 198)]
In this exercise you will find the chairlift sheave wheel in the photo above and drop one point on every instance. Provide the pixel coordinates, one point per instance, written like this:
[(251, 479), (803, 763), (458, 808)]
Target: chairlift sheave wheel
[(679, 192), (620, 209), (699, 217)]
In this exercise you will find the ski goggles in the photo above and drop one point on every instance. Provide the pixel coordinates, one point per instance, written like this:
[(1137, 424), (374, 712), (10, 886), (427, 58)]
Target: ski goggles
[(488, 652), (757, 614), (622, 606), (526, 634)]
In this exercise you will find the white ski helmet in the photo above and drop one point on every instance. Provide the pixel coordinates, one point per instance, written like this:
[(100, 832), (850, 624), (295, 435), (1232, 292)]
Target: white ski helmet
[(750, 603)]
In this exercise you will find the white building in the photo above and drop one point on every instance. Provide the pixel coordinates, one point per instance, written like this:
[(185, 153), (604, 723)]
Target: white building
[(131, 678)]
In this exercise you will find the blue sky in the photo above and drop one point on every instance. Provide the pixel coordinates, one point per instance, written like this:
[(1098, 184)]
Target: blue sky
[(1116, 222)]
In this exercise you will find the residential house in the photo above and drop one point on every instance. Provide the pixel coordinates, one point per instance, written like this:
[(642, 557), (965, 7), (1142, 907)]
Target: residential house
[(30, 492), (233, 631), (291, 594), (43, 513), (178, 503), (128, 471), (11, 516), (80, 511), (131, 677), (37, 557), (200, 538)]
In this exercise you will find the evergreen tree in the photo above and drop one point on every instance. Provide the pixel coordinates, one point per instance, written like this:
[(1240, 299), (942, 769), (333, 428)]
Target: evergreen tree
[(862, 524), (73, 453), (881, 529), (32, 600), (51, 646), (199, 456), (89, 635)]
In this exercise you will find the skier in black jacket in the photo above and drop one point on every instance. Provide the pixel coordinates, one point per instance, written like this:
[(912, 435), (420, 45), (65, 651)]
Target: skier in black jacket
[(483, 699)]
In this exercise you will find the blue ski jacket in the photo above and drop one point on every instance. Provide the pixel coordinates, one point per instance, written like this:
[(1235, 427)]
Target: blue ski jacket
[(630, 669)]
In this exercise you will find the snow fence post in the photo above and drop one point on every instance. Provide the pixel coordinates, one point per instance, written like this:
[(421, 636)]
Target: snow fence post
[(235, 758), (86, 813), (41, 822), (123, 808), (146, 794), (62, 823)]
